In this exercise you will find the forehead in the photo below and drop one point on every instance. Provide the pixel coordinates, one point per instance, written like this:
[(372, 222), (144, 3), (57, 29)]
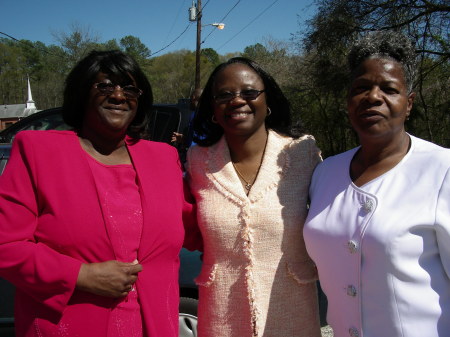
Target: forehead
[(237, 74), (380, 68), (118, 78)]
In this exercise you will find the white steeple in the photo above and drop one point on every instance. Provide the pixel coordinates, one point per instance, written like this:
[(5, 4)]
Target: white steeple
[(30, 102)]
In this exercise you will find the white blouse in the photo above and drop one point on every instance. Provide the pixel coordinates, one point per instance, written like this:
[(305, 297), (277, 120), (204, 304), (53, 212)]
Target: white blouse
[(383, 249)]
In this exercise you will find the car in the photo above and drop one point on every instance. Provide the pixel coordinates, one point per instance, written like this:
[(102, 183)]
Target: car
[(163, 120)]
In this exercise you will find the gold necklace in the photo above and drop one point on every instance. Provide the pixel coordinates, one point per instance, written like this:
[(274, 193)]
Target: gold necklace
[(249, 185)]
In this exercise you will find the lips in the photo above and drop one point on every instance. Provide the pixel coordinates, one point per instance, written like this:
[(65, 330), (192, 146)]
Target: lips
[(371, 115), (116, 109)]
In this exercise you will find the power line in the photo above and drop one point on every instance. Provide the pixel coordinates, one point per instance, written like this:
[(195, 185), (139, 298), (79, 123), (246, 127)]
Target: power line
[(30, 44), (221, 20), (175, 20), (257, 17), (173, 41)]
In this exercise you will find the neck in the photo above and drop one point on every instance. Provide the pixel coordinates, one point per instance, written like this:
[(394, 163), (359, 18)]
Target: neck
[(104, 145), (244, 149), (374, 151)]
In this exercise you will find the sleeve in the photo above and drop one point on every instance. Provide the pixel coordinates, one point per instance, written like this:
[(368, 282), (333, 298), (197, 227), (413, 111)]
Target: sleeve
[(315, 154), (41, 272), (443, 223), (193, 237)]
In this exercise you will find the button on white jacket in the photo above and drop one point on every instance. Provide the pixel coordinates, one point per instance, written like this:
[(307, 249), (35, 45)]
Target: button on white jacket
[(383, 249)]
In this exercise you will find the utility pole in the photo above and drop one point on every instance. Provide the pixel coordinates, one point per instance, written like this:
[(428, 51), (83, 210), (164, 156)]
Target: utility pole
[(199, 41), (195, 14)]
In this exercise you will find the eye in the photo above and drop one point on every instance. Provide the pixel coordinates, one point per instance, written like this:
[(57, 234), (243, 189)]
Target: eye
[(223, 97), (132, 91), (390, 90), (359, 89), (105, 86), (250, 94)]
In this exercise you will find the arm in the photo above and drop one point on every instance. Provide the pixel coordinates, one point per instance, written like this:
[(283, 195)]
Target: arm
[(193, 237), (38, 270), (443, 223)]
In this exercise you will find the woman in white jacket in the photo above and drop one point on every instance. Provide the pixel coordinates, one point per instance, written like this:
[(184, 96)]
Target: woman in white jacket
[(379, 222)]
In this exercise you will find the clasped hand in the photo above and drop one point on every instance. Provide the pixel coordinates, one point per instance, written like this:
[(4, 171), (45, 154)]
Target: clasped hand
[(110, 278)]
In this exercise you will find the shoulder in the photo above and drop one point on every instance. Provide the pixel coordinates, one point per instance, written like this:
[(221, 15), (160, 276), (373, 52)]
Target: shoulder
[(44, 135), (197, 152), (151, 146), (428, 151), (303, 143), (336, 163), (44, 139)]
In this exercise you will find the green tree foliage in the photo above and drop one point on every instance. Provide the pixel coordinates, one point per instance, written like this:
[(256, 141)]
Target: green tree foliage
[(133, 46), (311, 68), (322, 74)]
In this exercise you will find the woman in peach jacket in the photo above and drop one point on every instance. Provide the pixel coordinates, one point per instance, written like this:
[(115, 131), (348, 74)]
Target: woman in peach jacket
[(250, 179)]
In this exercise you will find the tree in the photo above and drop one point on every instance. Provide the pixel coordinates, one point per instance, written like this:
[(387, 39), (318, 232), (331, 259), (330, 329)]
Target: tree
[(133, 46), (336, 24), (77, 43)]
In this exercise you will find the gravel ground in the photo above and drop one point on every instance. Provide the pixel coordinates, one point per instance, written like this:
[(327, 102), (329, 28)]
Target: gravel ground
[(327, 331)]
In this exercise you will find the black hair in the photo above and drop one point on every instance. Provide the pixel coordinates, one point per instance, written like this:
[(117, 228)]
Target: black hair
[(120, 67), (207, 133), (386, 44)]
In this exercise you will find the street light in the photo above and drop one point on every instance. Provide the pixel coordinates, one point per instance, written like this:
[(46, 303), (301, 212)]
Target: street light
[(195, 14)]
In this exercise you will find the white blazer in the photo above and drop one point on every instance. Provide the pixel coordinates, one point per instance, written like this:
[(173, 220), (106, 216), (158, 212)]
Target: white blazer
[(383, 249)]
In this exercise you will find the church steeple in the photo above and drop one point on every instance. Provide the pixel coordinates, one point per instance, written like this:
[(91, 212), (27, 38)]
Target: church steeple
[(30, 102)]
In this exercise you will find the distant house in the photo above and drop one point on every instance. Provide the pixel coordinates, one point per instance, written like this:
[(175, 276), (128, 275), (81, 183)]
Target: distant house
[(11, 113)]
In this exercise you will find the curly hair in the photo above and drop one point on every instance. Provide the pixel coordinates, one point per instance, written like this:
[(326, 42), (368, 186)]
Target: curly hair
[(119, 66), (207, 133), (386, 44)]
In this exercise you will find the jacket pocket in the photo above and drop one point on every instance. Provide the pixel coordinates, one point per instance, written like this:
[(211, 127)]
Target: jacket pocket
[(303, 272), (207, 275)]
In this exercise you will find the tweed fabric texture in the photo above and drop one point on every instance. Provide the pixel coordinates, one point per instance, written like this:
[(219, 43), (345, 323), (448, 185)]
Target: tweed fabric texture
[(257, 278)]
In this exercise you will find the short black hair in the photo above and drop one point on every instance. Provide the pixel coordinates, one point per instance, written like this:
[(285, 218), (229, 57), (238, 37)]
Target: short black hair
[(119, 66), (386, 44), (207, 133)]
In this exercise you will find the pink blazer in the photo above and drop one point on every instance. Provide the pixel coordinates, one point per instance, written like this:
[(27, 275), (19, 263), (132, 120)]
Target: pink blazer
[(51, 222)]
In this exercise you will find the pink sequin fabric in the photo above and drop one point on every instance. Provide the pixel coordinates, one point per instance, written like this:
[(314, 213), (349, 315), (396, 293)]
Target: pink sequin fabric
[(121, 206)]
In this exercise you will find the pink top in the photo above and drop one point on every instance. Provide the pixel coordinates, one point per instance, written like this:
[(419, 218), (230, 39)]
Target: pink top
[(121, 206), (51, 222)]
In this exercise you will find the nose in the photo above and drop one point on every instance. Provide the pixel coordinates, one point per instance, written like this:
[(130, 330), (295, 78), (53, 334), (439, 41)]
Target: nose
[(374, 94), (237, 98), (118, 94)]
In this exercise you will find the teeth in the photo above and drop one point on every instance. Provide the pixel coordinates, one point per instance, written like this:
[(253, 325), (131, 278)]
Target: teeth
[(242, 114)]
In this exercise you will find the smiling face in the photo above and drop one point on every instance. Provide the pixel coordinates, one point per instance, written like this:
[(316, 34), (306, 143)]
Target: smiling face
[(378, 102), (238, 116), (109, 114)]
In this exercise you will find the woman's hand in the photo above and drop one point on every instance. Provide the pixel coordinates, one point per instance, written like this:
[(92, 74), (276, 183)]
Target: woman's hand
[(110, 278)]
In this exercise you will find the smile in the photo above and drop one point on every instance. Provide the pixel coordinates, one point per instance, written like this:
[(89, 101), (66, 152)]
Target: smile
[(238, 115)]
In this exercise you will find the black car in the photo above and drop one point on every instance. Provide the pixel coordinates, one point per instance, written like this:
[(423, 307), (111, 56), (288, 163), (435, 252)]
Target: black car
[(164, 119)]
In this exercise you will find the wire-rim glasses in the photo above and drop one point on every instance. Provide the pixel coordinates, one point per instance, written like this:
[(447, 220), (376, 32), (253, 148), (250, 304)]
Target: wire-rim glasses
[(129, 91), (248, 95)]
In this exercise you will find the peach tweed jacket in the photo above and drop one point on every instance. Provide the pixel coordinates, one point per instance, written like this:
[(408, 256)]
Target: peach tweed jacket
[(257, 279)]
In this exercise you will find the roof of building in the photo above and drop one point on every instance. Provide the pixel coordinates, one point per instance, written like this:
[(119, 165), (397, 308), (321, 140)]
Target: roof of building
[(19, 110)]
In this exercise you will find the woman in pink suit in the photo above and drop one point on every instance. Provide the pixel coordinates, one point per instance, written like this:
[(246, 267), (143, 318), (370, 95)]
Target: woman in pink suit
[(87, 234)]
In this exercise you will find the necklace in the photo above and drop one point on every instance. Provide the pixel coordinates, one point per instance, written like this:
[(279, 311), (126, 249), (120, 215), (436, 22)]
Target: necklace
[(248, 185)]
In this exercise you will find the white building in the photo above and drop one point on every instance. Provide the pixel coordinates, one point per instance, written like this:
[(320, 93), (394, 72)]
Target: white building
[(11, 113)]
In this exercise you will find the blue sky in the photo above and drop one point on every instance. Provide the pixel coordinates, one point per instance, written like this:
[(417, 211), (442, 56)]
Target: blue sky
[(157, 23)]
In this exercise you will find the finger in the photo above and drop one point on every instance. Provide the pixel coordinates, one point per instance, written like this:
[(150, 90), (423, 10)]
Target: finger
[(135, 268)]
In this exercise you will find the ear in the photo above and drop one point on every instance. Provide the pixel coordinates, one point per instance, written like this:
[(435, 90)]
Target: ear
[(409, 106)]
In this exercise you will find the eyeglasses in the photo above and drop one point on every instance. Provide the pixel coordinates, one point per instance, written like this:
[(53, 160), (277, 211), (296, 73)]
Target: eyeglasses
[(248, 95), (129, 91)]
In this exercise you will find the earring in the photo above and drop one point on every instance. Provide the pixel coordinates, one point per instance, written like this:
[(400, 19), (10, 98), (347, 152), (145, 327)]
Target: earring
[(269, 112), (213, 119)]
